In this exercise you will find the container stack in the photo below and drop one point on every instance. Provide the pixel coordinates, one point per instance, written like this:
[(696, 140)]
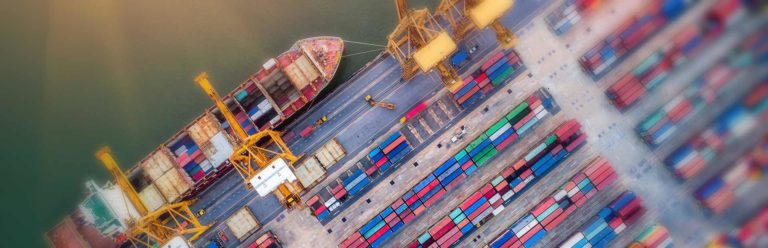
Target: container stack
[(737, 181), (256, 105), (655, 236), (569, 13), (190, 157), (552, 210), (240, 116), (266, 240), (703, 92), (690, 158), (495, 195), (432, 188), (492, 73), (630, 35), (654, 69), (609, 222), (389, 152), (349, 184)]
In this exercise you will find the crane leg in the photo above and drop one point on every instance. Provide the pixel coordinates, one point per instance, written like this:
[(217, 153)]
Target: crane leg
[(449, 77), (506, 37)]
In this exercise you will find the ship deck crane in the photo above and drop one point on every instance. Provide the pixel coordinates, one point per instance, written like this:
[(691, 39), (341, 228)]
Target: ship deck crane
[(418, 42), (463, 15), (153, 228), (262, 159), (374, 103)]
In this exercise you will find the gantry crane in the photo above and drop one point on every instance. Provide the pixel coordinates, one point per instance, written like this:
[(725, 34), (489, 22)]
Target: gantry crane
[(374, 103), (419, 42), (261, 159), (463, 15), (153, 228)]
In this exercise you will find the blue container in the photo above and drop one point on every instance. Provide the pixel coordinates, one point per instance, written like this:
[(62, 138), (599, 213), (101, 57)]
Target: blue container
[(372, 223), (497, 65), (449, 179), (445, 166), (502, 239), (625, 199), (448, 172), (397, 149), (431, 192), (465, 89), (421, 185), (541, 161), (378, 156), (373, 154), (463, 159), (400, 155), (480, 147), (710, 188), (470, 170), (467, 229), (386, 212), (401, 208), (475, 206), (673, 8), (535, 238)]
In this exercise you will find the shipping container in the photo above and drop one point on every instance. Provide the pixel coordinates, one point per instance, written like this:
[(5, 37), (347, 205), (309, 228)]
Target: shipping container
[(491, 198), (690, 158), (609, 222), (736, 181), (655, 236), (696, 97), (492, 73), (242, 223), (628, 36), (554, 209), (564, 16), (432, 188), (751, 233), (266, 240), (151, 197)]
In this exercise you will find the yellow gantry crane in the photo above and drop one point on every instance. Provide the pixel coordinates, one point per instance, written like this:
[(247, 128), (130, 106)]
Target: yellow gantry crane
[(260, 159), (153, 228), (463, 15), (419, 42)]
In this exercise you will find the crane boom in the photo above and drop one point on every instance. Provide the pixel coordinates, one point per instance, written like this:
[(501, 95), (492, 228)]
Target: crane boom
[(105, 156), (155, 227), (205, 84)]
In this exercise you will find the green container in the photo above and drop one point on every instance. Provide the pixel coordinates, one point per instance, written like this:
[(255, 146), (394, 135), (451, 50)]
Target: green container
[(496, 127), (374, 229), (503, 76), (551, 139), (649, 122), (518, 113), (460, 155), (481, 161), (476, 142), (497, 180), (644, 66)]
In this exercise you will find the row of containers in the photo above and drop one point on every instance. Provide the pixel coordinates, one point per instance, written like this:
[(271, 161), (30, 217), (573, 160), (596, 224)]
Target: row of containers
[(609, 222), (686, 44), (266, 240), (655, 236), (702, 94), (737, 181), (751, 233), (517, 123), (732, 126), (562, 18), (640, 27), (497, 70), (386, 155), (530, 228), (492, 198)]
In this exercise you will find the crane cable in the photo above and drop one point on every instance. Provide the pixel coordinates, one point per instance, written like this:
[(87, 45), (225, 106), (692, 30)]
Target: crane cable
[(364, 52)]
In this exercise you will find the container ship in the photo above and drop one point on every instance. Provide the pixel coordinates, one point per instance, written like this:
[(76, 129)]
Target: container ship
[(196, 156)]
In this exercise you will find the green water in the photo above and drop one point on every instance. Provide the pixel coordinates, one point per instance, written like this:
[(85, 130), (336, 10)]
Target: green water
[(77, 74)]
